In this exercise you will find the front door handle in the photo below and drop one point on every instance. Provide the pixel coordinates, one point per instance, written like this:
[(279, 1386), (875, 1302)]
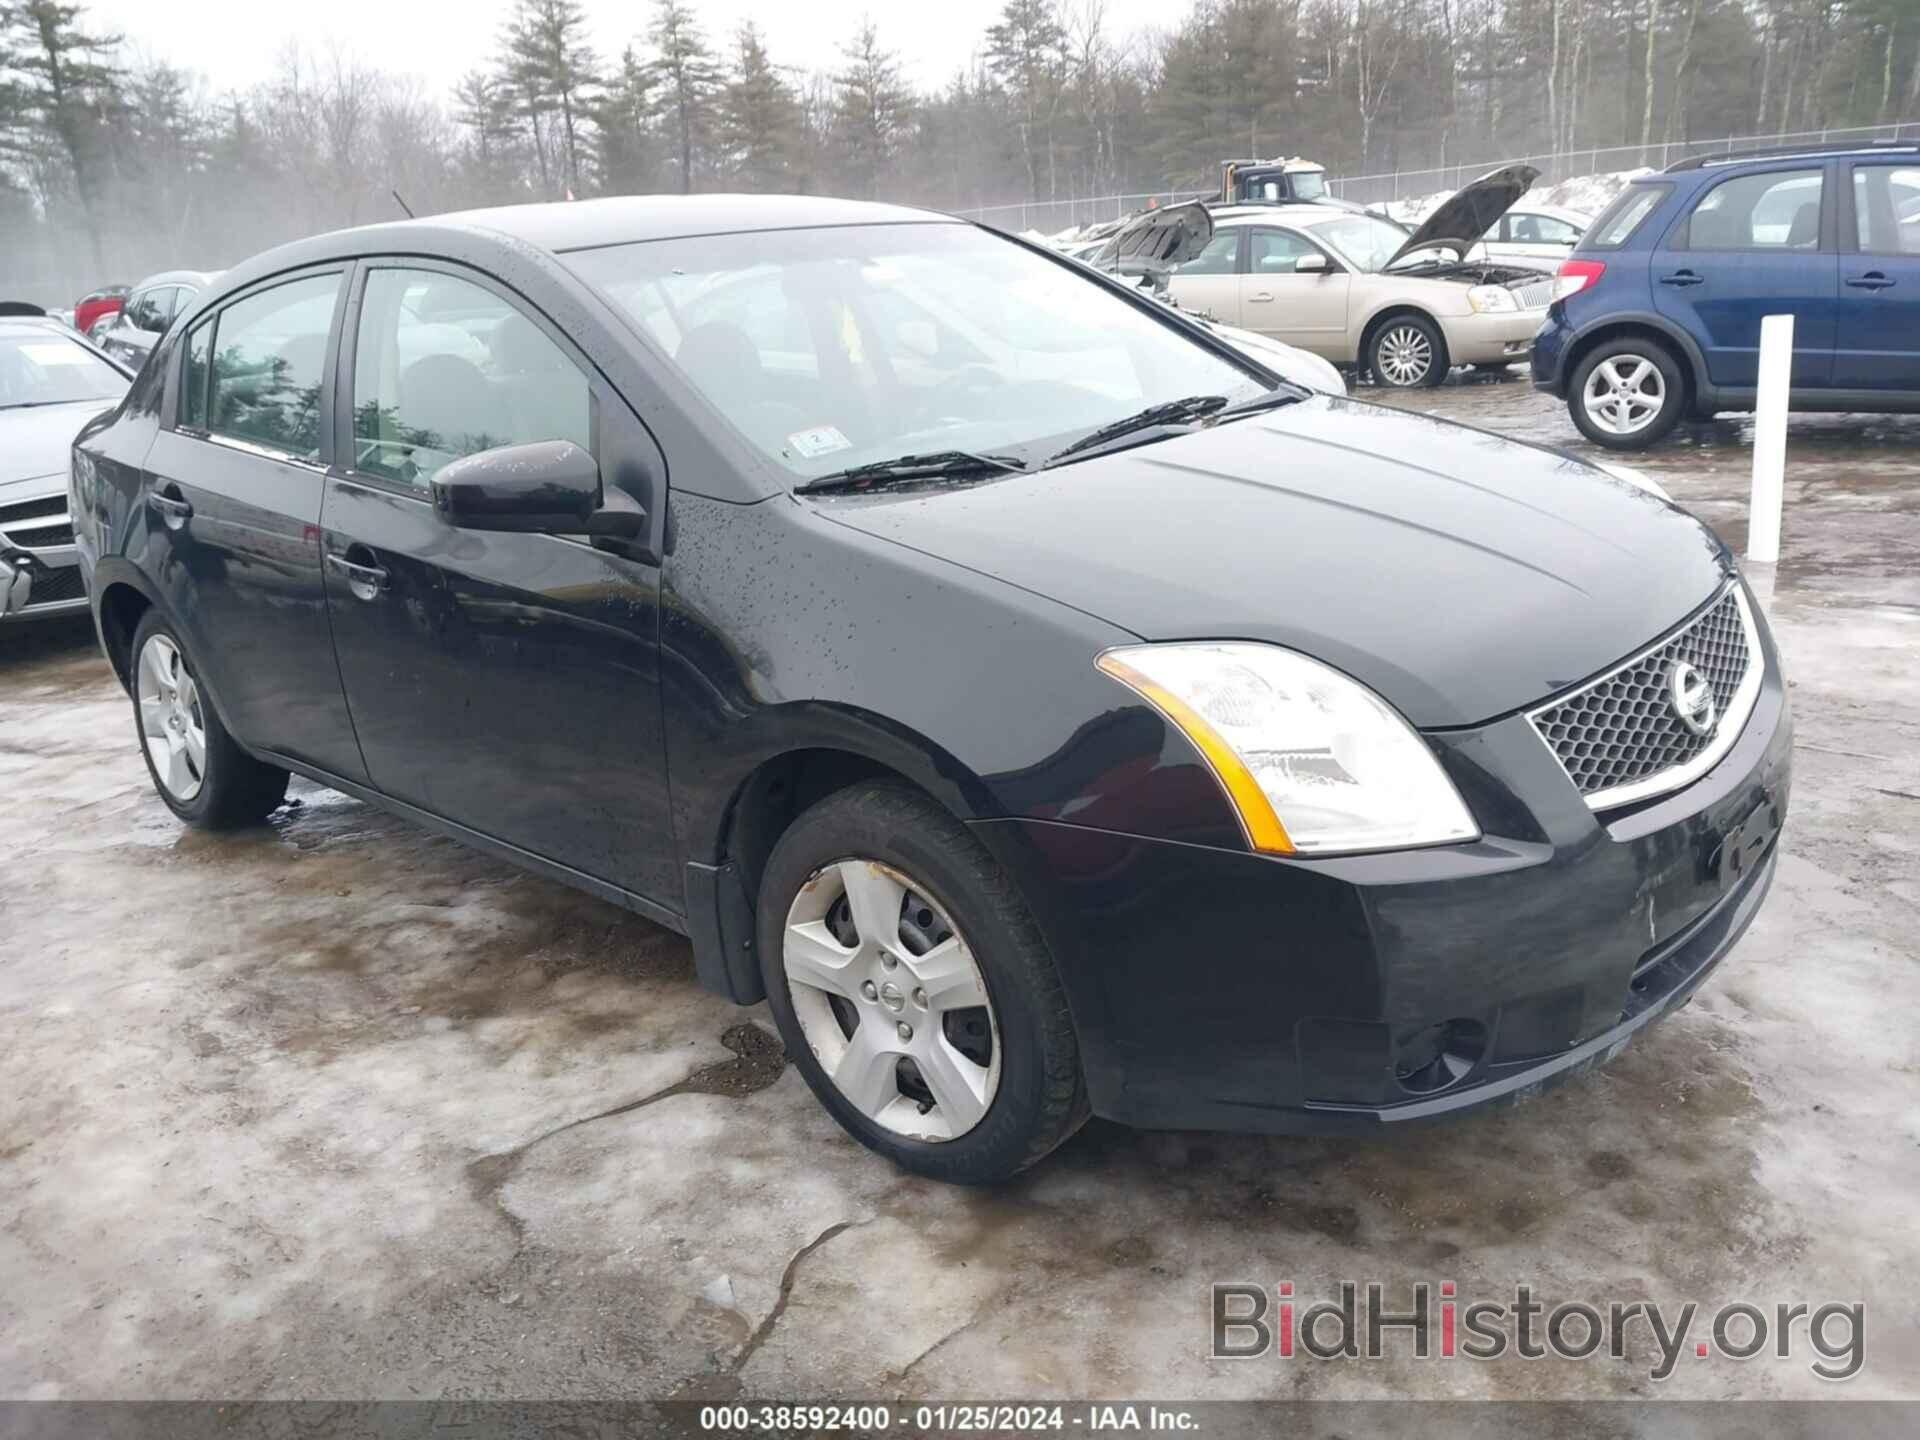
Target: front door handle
[(172, 508), (1261, 295), (1872, 280), (365, 581), (1683, 278)]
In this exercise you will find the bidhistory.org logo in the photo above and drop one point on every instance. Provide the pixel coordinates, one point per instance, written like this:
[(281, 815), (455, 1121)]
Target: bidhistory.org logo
[(1433, 1322)]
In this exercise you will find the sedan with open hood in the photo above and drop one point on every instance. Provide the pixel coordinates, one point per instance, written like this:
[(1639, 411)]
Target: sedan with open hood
[(1044, 708), (1360, 290)]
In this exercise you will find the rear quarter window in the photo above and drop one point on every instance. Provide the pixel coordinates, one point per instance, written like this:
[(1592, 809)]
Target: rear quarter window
[(1628, 212)]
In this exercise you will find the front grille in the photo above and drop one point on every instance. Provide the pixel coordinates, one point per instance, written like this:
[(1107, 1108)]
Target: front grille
[(1620, 739), (32, 509), (1535, 296), (56, 587), (41, 537)]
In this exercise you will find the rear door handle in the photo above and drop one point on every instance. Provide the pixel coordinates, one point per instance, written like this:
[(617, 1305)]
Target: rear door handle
[(1260, 295), (172, 508), (365, 581), (1683, 278), (1872, 280)]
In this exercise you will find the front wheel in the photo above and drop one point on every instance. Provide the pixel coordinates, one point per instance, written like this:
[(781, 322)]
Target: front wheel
[(913, 989), (201, 773), (1627, 394), (1408, 352)]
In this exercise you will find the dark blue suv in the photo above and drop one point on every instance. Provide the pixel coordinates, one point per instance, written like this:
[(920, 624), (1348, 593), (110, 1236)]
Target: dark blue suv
[(1657, 313)]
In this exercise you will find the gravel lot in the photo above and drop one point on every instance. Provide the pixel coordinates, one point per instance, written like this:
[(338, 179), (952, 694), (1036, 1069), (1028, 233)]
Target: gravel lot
[(333, 1108)]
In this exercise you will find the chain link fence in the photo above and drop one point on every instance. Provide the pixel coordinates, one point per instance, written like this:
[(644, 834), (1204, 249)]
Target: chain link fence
[(1052, 216)]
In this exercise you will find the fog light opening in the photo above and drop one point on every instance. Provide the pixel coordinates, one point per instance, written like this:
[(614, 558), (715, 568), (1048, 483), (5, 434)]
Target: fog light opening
[(1438, 1057)]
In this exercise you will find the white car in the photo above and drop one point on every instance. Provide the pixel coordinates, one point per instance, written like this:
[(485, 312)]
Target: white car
[(1535, 232)]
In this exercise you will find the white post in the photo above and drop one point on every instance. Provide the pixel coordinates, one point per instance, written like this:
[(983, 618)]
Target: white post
[(1770, 440)]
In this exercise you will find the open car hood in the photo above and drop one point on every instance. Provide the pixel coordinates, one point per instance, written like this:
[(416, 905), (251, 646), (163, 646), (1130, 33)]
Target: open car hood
[(1463, 220), (1156, 240)]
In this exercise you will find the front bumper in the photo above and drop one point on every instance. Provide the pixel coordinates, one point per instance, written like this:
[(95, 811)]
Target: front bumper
[(1215, 989), (1490, 339)]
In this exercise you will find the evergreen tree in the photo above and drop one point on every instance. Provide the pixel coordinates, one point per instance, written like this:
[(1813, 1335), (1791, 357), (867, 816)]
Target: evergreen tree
[(872, 111), (759, 118), (688, 81)]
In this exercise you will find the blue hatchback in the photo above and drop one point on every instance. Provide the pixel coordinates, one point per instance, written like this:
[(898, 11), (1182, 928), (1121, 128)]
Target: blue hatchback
[(1657, 314)]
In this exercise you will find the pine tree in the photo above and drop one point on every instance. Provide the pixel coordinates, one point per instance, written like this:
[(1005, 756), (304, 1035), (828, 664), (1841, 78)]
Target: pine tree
[(69, 94), (872, 111), (1027, 53), (689, 79), (759, 117), (624, 122), (549, 63)]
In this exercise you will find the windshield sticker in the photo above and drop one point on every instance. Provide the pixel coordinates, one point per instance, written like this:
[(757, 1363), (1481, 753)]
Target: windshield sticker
[(823, 440)]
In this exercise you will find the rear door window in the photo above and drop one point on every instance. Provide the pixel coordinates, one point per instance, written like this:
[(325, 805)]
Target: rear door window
[(1220, 257), (268, 355), (1774, 210), (1886, 209), (444, 368), (193, 379)]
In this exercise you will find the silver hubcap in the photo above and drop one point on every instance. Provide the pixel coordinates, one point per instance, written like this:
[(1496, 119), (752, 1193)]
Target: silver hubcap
[(172, 724), (891, 1001), (1405, 355), (1624, 394)]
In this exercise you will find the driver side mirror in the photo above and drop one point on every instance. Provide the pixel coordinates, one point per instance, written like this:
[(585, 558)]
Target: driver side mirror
[(1311, 265), (549, 486)]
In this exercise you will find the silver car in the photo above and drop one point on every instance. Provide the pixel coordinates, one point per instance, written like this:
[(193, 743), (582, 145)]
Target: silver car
[(52, 381)]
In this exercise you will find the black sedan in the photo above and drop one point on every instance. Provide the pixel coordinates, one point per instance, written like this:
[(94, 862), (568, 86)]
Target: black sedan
[(1044, 709)]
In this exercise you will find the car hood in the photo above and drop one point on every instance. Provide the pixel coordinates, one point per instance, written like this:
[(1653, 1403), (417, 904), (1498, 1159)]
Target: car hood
[(1156, 241), (1464, 218), (1473, 578), (34, 441)]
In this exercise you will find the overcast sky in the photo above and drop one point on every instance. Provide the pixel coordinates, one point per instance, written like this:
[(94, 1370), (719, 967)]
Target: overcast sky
[(233, 42)]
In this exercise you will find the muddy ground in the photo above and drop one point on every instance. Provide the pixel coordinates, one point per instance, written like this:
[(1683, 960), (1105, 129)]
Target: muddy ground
[(333, 1108)]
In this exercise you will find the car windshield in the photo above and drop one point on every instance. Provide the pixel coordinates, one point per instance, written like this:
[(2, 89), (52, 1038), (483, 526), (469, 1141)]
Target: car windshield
[(1364, 241), (1308, 184), (841, 346), (46, 368)]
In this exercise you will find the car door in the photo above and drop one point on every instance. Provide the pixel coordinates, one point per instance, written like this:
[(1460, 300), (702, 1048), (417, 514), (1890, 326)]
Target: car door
[(1879, 327), (506, 682), (1754, 245), (1307, 308), (1209, 284), (233, 487)]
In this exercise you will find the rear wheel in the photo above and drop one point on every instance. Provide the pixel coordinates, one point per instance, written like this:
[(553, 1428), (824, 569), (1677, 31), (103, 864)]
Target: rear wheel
[(1627, 394), (913, 989), (202, 775), (1407, 352)]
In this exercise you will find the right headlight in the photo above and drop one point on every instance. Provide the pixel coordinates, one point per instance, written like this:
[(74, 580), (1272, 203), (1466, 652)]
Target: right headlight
[(1313, 762)]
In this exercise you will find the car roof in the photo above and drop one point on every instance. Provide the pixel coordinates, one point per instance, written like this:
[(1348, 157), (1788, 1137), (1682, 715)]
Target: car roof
[(35, 325), (195, 278), (1556, 212), (1293, 214), (620, 219)]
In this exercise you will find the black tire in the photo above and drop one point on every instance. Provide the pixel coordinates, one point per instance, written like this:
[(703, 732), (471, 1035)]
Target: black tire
[(1041, 1098), (1396, 332), (1626, 355), (234, 788)]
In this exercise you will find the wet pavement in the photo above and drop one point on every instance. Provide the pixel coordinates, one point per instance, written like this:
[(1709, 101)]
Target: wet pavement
[(334, 1108)]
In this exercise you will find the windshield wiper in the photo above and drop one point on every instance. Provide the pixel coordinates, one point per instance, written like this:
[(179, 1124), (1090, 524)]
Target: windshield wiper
[(1168, 412), (1287, 392), (936, 465)]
